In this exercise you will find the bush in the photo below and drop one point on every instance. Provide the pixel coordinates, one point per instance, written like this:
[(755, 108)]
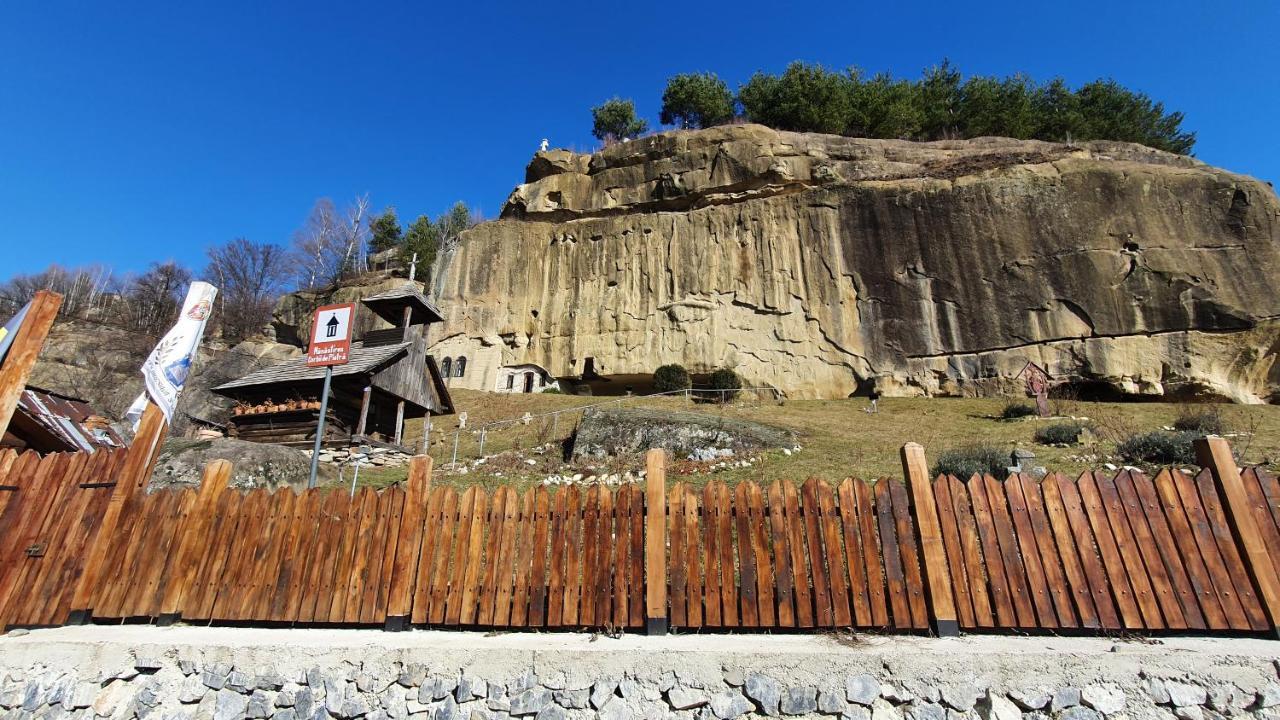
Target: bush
[(1159, 448), (1065, 433), (1201, 421), (968, 460), (728, 381), (670, 378), (1015, 410)]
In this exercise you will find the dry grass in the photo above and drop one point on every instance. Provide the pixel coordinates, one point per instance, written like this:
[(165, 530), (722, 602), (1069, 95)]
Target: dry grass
[(839, 439)]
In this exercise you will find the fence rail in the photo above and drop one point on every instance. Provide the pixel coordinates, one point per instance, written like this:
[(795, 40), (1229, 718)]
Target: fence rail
[(1126, 552)]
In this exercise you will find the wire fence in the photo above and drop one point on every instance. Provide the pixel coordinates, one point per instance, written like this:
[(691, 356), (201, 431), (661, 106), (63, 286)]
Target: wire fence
[(530, 430)]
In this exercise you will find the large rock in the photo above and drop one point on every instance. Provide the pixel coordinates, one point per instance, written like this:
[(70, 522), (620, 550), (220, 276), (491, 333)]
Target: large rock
[(253, 465), (821, 264), (618, 431)]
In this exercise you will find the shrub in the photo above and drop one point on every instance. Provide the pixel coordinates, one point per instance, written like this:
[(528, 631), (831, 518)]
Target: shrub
[(1158, 448), (968, 460), (1064, 433), (728, 381), (670, 378), (1201, 421), (1015, 410)]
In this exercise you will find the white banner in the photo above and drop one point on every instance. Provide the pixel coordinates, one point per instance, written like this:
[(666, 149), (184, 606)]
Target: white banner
[(166, 369)]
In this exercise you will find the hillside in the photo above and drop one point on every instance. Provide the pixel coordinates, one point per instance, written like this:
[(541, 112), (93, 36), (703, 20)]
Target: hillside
[(823, 265)]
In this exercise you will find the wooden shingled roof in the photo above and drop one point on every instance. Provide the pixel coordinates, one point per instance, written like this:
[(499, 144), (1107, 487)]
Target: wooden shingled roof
[(390, 305), (363, 360)]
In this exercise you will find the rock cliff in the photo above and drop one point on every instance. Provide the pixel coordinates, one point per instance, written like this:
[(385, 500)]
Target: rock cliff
[(821, 265)]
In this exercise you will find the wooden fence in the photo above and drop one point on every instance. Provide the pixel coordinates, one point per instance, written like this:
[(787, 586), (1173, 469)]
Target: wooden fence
[(1099, 553)]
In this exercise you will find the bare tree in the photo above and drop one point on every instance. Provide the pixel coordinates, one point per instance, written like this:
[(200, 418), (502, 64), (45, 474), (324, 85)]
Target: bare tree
[(331, 245), (152, 300), (250, 277), (84, 290)]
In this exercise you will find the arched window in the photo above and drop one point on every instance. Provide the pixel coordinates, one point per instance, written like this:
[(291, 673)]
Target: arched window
[(460, 366), (445, 367)]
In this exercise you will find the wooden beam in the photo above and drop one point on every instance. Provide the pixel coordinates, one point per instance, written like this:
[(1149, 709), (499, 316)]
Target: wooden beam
[(364, 409), (21, 360), (399, 421), (942, 606), (655, 542), (1214, 453)]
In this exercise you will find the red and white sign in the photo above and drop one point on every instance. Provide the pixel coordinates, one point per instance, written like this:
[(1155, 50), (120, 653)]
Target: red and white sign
[(331, 336)]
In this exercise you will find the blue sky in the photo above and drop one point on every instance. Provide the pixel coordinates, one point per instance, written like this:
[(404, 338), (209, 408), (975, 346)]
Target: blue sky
[(151, 133)]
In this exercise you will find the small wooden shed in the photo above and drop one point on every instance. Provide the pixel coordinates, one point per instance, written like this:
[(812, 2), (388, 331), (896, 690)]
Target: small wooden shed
[(389, 379)]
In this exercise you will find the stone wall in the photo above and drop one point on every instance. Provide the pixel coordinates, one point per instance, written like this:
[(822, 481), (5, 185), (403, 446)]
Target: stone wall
[(227, 673)]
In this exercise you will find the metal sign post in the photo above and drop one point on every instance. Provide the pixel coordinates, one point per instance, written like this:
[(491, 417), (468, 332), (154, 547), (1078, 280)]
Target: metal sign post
[(330, 345)]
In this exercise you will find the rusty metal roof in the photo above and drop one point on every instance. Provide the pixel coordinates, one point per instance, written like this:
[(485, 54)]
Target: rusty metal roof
[(70, 420)]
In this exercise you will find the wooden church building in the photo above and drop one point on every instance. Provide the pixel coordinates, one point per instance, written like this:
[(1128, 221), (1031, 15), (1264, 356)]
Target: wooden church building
[(389, 379)]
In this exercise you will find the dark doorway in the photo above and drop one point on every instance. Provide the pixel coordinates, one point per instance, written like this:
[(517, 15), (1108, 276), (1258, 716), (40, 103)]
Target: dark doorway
[(528, 382)]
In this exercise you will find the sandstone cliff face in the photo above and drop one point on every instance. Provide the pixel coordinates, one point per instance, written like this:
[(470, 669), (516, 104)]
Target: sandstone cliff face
[(821, 264)]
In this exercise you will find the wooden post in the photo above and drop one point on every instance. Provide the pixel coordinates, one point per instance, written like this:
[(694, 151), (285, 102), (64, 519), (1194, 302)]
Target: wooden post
[(399, 421), (404, 572), (27, 342), (191, 536), (132, 479), (1214, 453), (938, 589), (364, 410), (655, 542)]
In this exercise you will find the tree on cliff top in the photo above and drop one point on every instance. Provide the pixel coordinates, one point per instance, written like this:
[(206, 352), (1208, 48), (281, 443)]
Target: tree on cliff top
[(250, 277), (805, 98), (427, 238), (696, 100), (384, 231), (615, 120)]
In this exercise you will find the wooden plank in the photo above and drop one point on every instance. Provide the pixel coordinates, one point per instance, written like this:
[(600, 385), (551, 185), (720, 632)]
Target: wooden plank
[(538, 576), (351, 582), (746, 557), (1066, 495), (949, 529), (1187, 589), (933, 553), (693, 564), (730, 614), (32, 600), (970, 552), (1165, 595), (622, 586), (655, 549), (459, 554), (784, 575), (1130, 556), (636, 569), (194, 533), (295, 557), (1215, 454), (1242, 577), (231, 585), (993, 558), (853, 557), (1037, 579), (82, 516), (869, 538), (410, 539), (573, 557), (710, 542), (1051, 562), (1189, 550), (1104, 537), (1223, 587), (506, 560), (559, 559), (590, 557), (812, 513), (274, 563), (475, 559), (1014, 570), (1264, 498), (329, 589), (488, 594), (767, 614), (524, 560), (445, 554), (420, 589), (910, 555), (799, 561), (837, 573), (373, 608), (892, 555)]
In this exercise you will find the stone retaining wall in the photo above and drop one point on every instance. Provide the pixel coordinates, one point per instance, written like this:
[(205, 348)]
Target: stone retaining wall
[(228, 673)]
